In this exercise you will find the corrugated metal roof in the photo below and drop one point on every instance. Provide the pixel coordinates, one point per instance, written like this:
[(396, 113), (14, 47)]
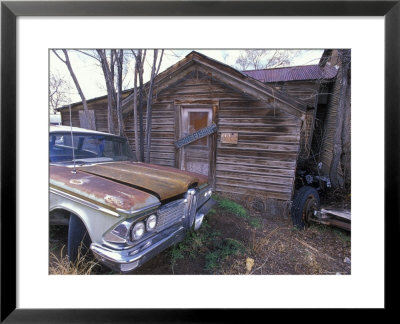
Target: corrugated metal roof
[(294, 73)]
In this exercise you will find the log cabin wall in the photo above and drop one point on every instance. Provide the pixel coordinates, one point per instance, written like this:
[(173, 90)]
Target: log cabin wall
[(262, 163), (65, 117), (311, 84), (162, 133), (307, 91), (195, 89)]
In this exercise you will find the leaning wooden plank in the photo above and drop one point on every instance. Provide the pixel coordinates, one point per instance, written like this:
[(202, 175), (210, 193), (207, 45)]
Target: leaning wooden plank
[(339, 213)]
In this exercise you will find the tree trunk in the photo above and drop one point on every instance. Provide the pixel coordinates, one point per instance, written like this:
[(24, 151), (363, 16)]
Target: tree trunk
[(111, 95), (336, 176), (137, 150), (346, 139), (149, 107), (140, 110), (120, 57), (110, 109)]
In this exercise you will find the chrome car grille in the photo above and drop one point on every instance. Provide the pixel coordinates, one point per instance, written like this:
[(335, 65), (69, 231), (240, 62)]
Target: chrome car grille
[(171, 213)]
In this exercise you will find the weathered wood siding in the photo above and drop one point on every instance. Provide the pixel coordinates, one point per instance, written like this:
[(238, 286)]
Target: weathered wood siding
[(65, 117), (162, 133), (307, 91), (197, 87), (194, 88), (263, 162), (303, 90)]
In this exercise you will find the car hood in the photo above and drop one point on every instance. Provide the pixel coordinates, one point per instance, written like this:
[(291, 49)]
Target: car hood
[(163, 182), (100, 191)]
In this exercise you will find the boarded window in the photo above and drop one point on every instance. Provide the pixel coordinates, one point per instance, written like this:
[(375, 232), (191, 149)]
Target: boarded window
[(84, 122)]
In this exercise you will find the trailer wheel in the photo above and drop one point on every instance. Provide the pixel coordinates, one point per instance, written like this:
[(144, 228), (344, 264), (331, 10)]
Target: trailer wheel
[(305, 203)]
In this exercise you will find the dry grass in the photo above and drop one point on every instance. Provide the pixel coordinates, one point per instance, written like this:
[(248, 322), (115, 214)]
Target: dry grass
[(258, 244), (62, 266), (312, 263)]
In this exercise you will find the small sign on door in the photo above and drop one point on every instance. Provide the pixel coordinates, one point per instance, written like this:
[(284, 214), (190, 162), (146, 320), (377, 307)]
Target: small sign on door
[(229, 138)]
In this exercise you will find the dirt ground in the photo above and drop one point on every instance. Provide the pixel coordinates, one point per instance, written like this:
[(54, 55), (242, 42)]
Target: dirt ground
[(235, 241)]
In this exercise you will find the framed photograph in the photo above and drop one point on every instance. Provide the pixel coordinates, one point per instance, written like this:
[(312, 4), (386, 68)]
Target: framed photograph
[(29, 30)]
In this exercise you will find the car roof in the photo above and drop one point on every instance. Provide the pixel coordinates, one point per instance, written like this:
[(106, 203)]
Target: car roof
[(62, 128)]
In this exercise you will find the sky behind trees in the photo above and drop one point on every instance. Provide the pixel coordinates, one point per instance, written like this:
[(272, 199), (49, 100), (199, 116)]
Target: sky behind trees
[(91, 78)]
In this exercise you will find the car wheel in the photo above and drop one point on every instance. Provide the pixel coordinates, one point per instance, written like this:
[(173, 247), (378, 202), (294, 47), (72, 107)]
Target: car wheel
[(305, 203), (78, 238)]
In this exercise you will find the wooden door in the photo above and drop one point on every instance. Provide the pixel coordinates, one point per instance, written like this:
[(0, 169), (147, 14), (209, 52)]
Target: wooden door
[(195, 156)]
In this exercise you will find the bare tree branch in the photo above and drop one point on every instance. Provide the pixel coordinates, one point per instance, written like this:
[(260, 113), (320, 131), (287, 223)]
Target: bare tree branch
[(89, 119), (55, 52), (58, 91), (88, 54)]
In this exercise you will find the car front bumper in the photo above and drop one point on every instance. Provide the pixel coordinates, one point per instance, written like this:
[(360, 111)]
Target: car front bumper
[(126, 260), (129, 259)]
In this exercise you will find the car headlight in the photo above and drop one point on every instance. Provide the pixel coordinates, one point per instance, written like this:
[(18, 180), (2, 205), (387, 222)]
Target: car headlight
[(151, 222), (138, 231), (208, 193)]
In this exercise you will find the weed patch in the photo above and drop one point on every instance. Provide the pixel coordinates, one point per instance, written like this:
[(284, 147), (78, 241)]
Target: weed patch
[(255, 222), (225, 248), (176, 254), (237, 210), (209, 245), (233, 207), (194, 244)]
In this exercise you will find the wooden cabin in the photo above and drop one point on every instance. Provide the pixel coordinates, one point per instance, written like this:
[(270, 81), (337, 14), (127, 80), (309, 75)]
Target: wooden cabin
[(318, 86), (310, 84), (253, 152)]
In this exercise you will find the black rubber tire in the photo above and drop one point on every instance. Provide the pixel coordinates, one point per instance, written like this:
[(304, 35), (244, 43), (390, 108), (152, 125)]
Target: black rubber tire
[(305, 202), (78, 238)]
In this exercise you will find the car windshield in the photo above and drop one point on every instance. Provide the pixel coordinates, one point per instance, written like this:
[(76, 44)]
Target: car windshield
[(88, 148)]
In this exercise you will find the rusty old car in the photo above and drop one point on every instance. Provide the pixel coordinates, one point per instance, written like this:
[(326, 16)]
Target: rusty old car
[(124, 211)]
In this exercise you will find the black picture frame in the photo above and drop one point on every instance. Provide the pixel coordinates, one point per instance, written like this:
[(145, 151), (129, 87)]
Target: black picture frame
[(11, 10)]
